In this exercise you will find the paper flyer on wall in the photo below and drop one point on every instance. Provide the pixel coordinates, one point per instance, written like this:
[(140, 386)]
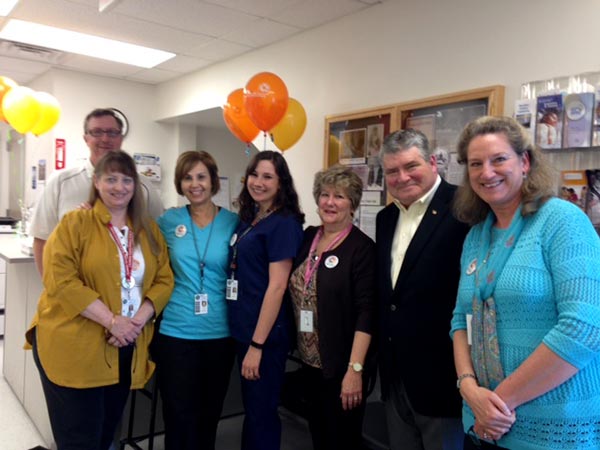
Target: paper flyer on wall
[(549, 121), (148, 165), (525, 115), (579, 116)]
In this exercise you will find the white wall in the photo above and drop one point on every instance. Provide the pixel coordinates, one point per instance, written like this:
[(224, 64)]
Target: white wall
[(403, 50), (229, 153)]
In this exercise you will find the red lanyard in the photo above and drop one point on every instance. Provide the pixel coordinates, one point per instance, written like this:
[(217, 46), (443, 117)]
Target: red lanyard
[(313, 262), (127, 253)]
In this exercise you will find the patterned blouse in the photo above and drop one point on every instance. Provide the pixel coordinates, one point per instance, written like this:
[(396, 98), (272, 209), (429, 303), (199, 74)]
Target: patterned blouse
[(308, 342)]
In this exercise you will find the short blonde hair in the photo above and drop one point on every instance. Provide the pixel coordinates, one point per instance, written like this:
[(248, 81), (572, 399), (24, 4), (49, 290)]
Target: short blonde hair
[(342, 178)]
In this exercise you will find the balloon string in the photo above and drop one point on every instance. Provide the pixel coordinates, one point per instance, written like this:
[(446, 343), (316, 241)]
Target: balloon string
[(265, 140)]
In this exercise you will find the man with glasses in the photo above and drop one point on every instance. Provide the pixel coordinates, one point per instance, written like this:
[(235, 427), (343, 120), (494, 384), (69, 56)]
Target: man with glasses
[(71, 187)]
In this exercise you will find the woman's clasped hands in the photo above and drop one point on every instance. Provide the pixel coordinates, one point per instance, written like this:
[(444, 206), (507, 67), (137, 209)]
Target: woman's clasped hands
[(124, 331), (493, 418)]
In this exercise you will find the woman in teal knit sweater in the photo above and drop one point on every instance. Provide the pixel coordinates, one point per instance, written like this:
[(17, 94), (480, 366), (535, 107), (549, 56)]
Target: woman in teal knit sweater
[(526, 326)]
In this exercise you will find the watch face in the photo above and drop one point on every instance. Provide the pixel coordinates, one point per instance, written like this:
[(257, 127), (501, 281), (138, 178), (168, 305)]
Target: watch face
[(123, 118), (357, 367)]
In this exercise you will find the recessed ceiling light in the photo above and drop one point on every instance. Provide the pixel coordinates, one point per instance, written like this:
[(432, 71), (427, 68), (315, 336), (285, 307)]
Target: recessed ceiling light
[(83, 44), (6, 6)]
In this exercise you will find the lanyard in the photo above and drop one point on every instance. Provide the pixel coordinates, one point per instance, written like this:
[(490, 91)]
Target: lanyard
[(203, 259), (126, 253), (313, 258), (234, 246)]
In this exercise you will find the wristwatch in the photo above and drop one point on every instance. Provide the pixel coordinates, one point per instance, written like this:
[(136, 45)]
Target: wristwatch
[(356, 366)]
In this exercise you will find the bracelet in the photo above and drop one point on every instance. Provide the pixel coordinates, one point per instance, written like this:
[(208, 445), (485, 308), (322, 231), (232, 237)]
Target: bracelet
[(462, 377), (256, 345), (113, 320)]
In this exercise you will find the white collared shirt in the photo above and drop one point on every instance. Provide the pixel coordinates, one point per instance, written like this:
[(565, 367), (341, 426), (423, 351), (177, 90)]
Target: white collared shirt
[(406, 227)]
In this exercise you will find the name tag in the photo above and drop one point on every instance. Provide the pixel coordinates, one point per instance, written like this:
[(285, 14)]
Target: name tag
[(232, 289), (200, 304), (306, 321)]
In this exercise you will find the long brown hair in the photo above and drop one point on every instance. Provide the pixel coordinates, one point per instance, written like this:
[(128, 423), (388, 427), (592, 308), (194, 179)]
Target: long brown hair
[(536, 189), (137, 211)]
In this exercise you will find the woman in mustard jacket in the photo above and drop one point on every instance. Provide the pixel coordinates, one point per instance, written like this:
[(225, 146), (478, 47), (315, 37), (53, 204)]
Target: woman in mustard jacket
[(106, 276)]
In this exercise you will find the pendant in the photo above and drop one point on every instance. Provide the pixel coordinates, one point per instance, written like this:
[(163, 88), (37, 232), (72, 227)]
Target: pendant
[(128, 283)]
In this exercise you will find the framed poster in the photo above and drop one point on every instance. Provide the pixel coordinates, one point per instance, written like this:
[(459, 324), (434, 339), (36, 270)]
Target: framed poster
[(442, 119), (355, 140)]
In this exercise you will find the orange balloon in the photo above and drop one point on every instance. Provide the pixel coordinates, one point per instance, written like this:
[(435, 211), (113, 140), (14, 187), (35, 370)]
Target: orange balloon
[(266, 99), (6, 84), (236, 118)]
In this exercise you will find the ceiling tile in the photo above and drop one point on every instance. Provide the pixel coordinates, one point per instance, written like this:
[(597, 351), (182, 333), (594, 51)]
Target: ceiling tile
[(219, 49), (262, 8), (189, 15), (312, 13), (153, 76), (200, 32), (262, 32)]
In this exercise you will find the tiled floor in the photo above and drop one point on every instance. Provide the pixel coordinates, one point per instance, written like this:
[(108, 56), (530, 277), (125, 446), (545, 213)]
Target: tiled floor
[(17, 432)]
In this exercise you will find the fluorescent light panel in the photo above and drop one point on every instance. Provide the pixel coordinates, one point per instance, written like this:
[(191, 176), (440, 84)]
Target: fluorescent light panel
[(83, 44), (6, 6)]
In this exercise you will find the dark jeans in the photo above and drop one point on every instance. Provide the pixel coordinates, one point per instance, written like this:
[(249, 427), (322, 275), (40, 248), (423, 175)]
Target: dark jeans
[(86, 419), (193, 376), (330, 425)]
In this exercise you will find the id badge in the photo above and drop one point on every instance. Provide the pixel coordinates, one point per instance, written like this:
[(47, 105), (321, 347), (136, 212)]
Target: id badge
[(232, 289), (469, 329), (200, 304), (306, 321)]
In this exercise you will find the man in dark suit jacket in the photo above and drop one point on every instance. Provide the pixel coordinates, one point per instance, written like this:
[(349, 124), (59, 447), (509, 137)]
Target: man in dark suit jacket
[(419, 243)]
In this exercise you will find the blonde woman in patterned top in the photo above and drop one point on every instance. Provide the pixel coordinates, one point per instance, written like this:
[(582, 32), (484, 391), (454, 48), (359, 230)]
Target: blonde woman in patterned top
[(332, 289)]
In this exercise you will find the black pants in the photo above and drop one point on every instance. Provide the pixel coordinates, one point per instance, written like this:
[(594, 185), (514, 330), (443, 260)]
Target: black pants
[(193, 376), (330, 425), (86, 419), (472, 442)]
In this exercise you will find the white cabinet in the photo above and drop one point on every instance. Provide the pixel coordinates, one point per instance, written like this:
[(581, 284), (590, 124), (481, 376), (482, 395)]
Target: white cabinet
[(2, 293)]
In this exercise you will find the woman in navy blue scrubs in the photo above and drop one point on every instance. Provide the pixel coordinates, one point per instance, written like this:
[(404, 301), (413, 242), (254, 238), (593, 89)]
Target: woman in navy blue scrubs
[(265, 243)]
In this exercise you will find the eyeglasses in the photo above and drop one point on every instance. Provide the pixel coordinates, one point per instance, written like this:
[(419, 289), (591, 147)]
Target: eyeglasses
[(99, 132)]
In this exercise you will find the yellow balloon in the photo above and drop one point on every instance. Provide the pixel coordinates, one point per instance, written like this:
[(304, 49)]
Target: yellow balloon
[(49, 113), (290, 129), (21, 109)]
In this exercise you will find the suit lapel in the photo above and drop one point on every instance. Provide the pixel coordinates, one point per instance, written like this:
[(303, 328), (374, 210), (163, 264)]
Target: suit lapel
[(387, 236)]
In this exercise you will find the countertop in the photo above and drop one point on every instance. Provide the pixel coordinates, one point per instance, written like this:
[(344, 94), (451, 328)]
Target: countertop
[(10, 249)]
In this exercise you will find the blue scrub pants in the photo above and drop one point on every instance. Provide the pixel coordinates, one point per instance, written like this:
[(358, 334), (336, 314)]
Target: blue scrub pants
[(262, 425)]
